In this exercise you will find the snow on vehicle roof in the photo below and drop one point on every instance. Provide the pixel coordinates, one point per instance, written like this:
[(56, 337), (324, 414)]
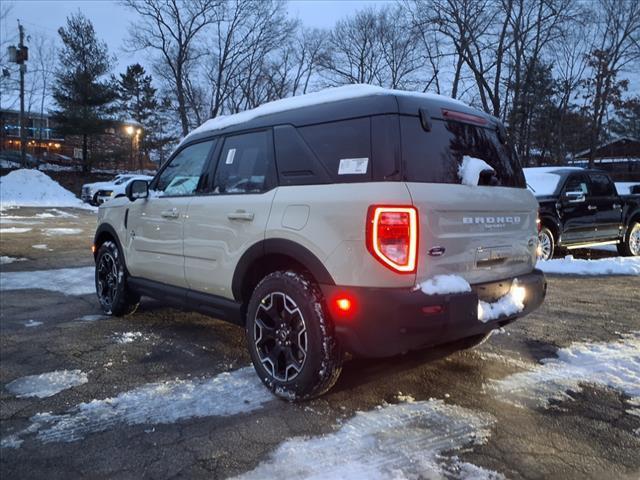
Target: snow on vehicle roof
[(327, 95), (544, 180)]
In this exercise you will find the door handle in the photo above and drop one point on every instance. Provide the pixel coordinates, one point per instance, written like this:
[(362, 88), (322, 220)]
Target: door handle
[(173, 213), (616, 206), (240, 215), (592, 207)]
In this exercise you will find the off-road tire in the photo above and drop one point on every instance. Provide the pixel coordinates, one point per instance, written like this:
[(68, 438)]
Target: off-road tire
[(630, 246), (111, 282), (544, 236), (305, 314)]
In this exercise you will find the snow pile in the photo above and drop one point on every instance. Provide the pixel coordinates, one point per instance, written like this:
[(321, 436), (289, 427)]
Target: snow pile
[(70, 281), (228, 393), (327, 95), (507, 305), (4, 260), (46, 384), (31, 188), (603, 266), (470, 170), (406, 440), (443, 284), (615, 364), (32, 323)]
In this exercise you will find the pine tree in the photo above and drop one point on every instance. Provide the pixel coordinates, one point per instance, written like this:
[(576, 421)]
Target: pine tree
[(139, 102), (83, 97)]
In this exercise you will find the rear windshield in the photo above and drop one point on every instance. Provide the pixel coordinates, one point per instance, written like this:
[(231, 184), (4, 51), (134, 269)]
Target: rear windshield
[(437, 155)]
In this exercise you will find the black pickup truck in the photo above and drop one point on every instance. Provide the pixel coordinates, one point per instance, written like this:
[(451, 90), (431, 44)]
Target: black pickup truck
[(582, 208)]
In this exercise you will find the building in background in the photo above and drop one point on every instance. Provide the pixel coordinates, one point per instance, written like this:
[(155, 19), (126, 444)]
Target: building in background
[(117, 148), (620, 157)]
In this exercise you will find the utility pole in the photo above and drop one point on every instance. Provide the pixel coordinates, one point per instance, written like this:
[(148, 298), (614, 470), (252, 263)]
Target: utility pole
[(20, 55), (23, 121)]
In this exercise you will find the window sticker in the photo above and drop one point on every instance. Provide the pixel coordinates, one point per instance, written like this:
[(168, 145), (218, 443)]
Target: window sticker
[(230, 156), (353, 166)]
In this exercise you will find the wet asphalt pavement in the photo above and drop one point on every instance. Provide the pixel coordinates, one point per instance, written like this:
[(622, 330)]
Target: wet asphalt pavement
[(590, 432)]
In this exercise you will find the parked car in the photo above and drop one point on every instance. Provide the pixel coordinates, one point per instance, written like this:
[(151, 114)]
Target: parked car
[(310, 221), (581, 208), (99, 192)]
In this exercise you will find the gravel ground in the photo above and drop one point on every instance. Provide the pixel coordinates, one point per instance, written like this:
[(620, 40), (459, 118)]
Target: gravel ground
[(589, 432)]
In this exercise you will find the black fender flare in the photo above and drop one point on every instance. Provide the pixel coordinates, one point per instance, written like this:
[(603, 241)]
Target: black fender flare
[(105, 228), (279, 246)]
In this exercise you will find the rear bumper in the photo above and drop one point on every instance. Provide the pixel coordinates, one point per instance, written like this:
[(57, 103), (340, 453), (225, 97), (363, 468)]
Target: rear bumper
[(388, 321)]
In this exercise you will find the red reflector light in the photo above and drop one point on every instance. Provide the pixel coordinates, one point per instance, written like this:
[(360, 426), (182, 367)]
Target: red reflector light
[(392, 236), (343, 304), (463, 117)]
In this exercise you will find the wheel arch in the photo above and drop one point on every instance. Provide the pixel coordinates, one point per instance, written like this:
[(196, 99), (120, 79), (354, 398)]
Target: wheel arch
[(552, 224), (104, 233), (270, 255)]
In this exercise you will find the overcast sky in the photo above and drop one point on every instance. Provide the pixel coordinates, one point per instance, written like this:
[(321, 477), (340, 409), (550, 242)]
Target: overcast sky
[(111, 20)]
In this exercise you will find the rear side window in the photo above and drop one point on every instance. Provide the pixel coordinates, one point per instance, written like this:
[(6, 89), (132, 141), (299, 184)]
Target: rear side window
[(435, 156), (344, 148), (601, 185), (245, 164)]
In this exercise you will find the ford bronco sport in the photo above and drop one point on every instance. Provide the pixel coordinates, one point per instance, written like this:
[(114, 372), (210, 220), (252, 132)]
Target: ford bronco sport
[(310, 221)]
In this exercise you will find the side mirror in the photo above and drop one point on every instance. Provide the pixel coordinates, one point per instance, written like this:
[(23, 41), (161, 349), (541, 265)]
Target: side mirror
[(575, 197), (137, 189)]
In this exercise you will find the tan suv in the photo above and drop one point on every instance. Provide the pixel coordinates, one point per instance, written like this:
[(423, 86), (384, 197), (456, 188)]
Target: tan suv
[(341, 221)]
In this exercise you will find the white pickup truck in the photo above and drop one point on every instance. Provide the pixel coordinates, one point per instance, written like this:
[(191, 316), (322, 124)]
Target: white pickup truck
[(99, 192)]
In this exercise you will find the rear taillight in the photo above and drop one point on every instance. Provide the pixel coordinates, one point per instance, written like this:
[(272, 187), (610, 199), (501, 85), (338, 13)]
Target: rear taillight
[(392, 236)]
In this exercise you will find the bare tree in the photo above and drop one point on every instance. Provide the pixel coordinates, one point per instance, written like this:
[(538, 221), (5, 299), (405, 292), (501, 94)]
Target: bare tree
[(172, 28), (617, 47), (355, 55)]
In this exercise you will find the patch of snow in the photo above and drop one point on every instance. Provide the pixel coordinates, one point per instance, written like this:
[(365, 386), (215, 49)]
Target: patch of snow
[(46, 384), (70, 281), (61, 231), (4, 260), (443, 284), (8, 164), (509, 304), (624, 188), (406, 440), (614, 364), (129, 337), (602, 266), (401, 397), (32, 188), (470, 170), (11, 441), (327, 95), (52, 167), (41, 246), (14, 230), (468, 471), (55, 213), (32, 323), (229, 393), (92, 318)]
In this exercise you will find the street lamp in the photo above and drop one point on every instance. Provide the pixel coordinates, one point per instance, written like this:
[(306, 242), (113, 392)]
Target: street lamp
[(129, 129)]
